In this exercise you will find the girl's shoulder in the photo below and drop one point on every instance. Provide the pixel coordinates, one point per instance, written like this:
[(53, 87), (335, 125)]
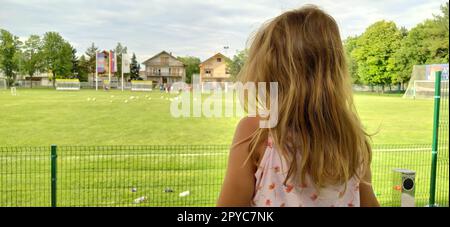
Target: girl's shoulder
[(245, 130)]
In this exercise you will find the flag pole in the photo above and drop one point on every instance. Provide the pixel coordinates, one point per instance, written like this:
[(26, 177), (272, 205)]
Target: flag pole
[(96, 71)]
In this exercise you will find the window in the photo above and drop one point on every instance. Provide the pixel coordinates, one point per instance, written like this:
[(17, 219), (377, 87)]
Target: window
[(164, 60), (174, 71), (219, 59), (208, 71)]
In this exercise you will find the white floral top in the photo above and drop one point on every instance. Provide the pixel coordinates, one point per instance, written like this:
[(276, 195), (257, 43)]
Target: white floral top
[(271, 192)]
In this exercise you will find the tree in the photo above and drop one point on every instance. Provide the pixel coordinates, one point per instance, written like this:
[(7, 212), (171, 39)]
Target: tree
[(427, 43), (403, 31), (374, 50), (91, 54), (135, 67), (32, 57), (440, 33), (10, 55), (350, 44), (443, 20), (119, 51), (411, 52), (191, 65), (236, 63), (83, 69), (58, 55), (75, 63)]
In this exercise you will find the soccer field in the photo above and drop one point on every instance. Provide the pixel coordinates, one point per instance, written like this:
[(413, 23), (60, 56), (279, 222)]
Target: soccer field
[(103, 168), (40, 117)]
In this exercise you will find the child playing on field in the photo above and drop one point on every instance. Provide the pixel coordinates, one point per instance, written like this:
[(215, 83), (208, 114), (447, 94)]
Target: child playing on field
[(318, 154)]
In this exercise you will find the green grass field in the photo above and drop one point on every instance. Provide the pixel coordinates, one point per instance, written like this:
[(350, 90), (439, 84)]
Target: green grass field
[(43, 117), (105, 174)]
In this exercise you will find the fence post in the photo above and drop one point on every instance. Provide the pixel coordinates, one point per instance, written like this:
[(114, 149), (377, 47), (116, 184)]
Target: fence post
[(53, 174), (434, 149)]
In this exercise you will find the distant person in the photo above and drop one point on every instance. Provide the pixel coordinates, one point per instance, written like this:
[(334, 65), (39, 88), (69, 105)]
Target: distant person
[(319, 153)]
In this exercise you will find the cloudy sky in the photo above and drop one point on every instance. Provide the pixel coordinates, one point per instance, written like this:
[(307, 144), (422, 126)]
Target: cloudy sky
[(188, 27)]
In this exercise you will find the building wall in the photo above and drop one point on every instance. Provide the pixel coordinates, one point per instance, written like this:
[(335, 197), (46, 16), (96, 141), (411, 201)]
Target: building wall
[(164, 59), (165, 66), (218, 69)]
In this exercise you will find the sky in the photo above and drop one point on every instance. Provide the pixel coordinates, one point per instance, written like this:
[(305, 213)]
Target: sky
[(198, 28)]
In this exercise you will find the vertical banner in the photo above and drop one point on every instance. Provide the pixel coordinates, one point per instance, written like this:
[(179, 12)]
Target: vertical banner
[(112, 62), (432, 69), (125, 67), (125, 63), (115, 62), (101, 62)]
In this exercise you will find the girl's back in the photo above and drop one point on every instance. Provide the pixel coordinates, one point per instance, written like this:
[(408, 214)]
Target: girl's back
[(318, 153), (270, 189)]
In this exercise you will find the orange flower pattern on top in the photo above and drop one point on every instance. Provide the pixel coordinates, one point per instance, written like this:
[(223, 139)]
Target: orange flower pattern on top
[(271, 186), (271, 190), (289, 188)]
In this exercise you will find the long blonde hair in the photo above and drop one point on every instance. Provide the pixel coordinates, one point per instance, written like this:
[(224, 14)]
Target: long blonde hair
[(302, 50)]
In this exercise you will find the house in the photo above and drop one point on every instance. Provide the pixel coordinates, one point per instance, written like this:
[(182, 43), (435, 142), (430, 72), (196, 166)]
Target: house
[(164, 68), (214, 69), (142, 74), (39, 79)]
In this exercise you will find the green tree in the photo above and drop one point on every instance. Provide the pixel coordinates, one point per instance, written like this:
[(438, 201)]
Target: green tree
[(10, 55), (427, 43), (375, 48), (83, 69), (191, 65), (440, 36), (411, 52), (236, 63), (32, 56), (75, 63), (119, 51), (443, 19), (135, 67), (350, 44), (58, 55), (91, 58), (404, 31)]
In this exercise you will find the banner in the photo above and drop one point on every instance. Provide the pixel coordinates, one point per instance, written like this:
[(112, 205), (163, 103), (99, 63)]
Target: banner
[(101, 63), (125, 63), (112, 62), (431, 69)]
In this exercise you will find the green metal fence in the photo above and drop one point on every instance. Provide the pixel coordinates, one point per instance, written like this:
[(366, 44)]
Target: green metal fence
[(442, 175), (156, 175)]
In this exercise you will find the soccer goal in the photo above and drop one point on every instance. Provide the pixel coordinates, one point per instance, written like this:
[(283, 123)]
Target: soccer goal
[(68, 84), (425, 88), (3, 85), (422, 82), (141, 85)]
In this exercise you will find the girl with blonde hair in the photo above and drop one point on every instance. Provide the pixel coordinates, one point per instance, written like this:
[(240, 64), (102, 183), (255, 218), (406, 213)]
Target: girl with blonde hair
[(318, 154)]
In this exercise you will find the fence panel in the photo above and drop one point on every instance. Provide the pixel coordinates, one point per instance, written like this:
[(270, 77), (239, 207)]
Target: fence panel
[(24, 176), (386, 158), (140, 175), (156, 175), (442, 176)]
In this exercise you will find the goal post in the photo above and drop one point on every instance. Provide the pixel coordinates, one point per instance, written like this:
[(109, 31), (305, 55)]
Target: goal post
[(141, 85), (68, 84), (424, 88), (421, 84), (3, 85)]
